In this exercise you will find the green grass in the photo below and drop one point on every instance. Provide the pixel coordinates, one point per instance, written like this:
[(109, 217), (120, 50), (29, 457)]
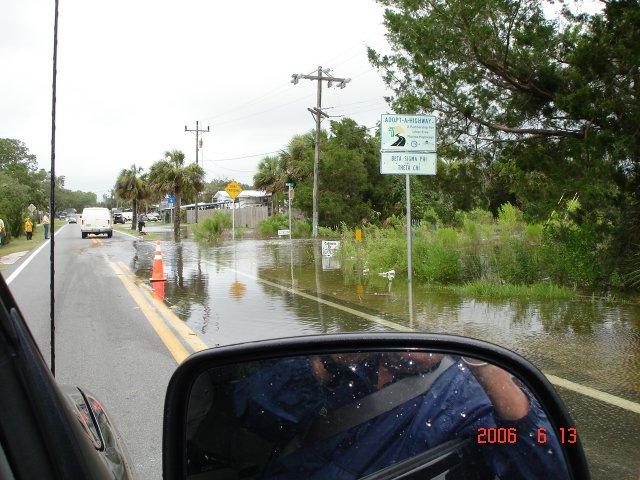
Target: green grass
[(495, 291), (149, 235), (21, 244)]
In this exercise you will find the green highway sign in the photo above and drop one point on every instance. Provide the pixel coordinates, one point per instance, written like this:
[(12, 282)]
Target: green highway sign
[(408, 133), (408, 145), (408, 163)]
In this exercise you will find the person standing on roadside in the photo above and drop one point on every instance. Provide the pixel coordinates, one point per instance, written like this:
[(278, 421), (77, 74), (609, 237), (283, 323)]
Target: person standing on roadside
[(28, 228), (3, 231), (45, 224)]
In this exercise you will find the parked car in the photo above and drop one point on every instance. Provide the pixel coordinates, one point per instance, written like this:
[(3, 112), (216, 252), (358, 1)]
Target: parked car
[(118, 218), (96, 220), (73, 219), (153, 217), (128, 215)]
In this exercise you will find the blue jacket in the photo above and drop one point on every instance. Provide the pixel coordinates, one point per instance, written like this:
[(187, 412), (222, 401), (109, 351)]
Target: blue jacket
[(283, 399)]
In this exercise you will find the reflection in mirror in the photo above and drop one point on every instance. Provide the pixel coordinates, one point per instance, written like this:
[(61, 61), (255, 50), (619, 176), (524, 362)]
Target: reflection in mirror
[(373, 415)]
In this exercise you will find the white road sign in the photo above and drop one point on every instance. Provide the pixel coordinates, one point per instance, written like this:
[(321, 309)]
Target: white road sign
[(408, 133), (329, 247), (284, 232), (408, 163)]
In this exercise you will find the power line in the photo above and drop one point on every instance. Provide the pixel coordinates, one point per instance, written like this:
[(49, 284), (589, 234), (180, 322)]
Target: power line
[(230, 169), (264, 111), (281, 89), (241, 157), (371, 100)]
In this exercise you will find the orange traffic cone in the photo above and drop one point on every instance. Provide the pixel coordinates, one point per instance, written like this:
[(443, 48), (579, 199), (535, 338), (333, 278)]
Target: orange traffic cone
[(158, 289), (157, 274)]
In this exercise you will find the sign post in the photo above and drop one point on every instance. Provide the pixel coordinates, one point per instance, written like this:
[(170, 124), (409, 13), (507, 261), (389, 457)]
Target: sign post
[(233, 189), (290, 185), (408, 147)]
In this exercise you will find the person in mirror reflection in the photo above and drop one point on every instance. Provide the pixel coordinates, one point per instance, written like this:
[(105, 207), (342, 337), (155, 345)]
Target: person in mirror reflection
[(282, 402)]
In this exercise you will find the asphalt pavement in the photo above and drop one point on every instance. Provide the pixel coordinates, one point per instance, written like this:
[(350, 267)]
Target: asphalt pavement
[(104, 341)]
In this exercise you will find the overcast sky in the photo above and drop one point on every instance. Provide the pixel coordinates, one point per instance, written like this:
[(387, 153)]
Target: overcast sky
[(132, 74)]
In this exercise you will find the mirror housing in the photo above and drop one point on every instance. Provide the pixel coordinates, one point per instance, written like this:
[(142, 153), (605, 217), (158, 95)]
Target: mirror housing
[(183, 379)]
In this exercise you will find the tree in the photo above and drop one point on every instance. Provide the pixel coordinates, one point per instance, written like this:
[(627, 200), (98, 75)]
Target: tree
[(14, 199), (271, 176), (172, 176), (553, 104), (19, 164), (131, 186)]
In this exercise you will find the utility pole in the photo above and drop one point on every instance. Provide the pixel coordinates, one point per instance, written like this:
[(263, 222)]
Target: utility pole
[(322, 75), (198, 131)]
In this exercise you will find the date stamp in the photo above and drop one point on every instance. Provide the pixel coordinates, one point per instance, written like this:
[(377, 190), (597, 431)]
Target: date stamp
[(505, 436)]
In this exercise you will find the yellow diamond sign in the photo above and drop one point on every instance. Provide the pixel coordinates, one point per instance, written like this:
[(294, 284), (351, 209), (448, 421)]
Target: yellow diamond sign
[(233, 189)]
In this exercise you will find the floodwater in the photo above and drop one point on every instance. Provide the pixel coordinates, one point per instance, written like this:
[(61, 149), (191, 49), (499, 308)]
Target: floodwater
[(241, 291)]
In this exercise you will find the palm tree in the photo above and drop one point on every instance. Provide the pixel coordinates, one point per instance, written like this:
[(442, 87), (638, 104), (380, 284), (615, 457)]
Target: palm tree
[(131, 186), (270, 177), (172, 176)]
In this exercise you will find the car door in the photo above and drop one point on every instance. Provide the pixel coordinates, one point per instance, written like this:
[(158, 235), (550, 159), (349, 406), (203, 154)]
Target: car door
[(39, 435)]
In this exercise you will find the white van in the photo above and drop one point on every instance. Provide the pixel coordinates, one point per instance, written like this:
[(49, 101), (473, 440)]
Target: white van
[(96, 220)]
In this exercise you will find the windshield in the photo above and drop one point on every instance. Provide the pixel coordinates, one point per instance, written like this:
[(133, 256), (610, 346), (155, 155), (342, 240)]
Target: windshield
[(271, 169)]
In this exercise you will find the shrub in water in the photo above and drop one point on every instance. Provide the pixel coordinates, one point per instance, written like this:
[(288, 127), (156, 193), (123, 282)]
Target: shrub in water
[(210, 229), (269, 226), (302, 229)]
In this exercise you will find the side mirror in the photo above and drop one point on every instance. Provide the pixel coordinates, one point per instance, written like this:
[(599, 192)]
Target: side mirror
[(373, 406)]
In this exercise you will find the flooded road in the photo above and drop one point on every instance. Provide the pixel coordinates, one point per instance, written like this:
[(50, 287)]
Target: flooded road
[(238, 292)]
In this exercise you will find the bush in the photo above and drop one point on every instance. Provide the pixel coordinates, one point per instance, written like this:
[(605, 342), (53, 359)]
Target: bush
[(509, 217), (302, 229), (210, 229), (269, 226), (326, 232)]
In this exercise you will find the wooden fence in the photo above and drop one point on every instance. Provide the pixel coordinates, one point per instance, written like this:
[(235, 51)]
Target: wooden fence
[(245, 217)]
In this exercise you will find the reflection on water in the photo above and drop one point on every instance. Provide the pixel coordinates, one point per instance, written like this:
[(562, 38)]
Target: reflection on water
[(215, 291), (592, 341)]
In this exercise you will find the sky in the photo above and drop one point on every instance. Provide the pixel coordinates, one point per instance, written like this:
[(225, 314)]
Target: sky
[(132, 74)]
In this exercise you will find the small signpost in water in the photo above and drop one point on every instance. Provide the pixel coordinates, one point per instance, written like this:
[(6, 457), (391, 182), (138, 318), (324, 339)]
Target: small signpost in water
[(233, 189), (408, 147), (290, 184)]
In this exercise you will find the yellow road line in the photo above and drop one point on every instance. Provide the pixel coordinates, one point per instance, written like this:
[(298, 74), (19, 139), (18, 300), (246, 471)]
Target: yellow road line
[(182, 328), (555, 380), (172, 343)]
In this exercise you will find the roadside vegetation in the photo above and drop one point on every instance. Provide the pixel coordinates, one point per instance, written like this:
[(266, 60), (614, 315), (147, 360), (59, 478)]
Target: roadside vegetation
[(482, 256), (22, 184), (539, 113), (211, 229), (21, 244)]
